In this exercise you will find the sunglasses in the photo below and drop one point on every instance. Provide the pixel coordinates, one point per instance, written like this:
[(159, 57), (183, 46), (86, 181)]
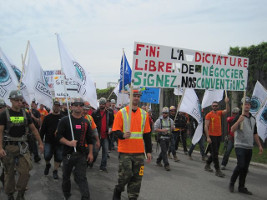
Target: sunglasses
[(165, 113), (78, 104), (215, 106), (18, 100)]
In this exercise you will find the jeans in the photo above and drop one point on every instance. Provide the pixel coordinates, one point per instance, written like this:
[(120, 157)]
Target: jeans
[(53, 149), (243, 159), (181, 136), (35, 149), (227, 153), (78, 162), (111, 141), (172, 145), (201, 147), (164, 145), (104, 145), (215, 145)]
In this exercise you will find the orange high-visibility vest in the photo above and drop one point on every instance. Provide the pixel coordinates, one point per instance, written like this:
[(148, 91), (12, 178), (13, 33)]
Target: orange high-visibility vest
[(139, 126)]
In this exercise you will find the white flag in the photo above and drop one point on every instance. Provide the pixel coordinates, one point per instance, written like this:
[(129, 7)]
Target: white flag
[(261, 120), (8, 79), (122, 99), (190, 104), (35, 81), (211, 96), (258, 98), (116, 89), (72, 69), (17, 75)]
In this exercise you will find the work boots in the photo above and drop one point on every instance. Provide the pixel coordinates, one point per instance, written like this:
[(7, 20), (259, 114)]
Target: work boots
[(116, 195), (10, 197), (208, 168), (169, 155), (167, 167), (219, 173), (175, 158), (20, 195)]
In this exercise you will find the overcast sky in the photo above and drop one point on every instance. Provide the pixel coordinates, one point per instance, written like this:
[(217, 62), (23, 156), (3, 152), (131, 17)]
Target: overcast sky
[(96, 31)]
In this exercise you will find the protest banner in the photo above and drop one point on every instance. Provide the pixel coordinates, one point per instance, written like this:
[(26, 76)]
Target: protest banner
[(71, 87), (171, 67)]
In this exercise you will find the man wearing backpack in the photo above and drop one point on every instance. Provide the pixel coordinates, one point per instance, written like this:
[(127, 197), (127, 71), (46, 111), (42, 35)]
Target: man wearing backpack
[(164, 126), (14, 127)]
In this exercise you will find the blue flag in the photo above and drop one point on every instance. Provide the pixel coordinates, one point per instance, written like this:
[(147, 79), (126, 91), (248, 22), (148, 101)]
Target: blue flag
[(125, 73)]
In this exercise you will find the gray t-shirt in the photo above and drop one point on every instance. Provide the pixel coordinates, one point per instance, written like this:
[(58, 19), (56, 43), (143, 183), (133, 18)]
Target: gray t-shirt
[(245, 138)]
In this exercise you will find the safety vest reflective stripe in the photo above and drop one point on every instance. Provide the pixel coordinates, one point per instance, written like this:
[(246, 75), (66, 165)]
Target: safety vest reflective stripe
[(125, 116), (143, 116), (136, 135)]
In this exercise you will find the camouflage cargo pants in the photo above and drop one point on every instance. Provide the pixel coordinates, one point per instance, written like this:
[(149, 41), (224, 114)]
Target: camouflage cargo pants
[(13, 160), (131, 170)]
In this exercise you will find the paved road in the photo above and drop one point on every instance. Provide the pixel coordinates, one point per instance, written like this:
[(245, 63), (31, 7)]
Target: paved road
[(186, 181)]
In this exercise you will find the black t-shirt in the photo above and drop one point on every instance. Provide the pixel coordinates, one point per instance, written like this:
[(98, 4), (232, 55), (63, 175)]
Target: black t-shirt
[(49, 128), (36, 114), (81, 130), (64, 113), (18, 128)]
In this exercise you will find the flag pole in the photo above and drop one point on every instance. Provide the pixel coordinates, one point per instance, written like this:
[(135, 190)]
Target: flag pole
[(225, 91), (66, 94), (243, 108), (23, 64), (123, 63), (130, 108)]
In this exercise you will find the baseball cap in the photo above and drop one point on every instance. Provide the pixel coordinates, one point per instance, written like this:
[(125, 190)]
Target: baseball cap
[(165, 110), (15, 94), (112, 101)]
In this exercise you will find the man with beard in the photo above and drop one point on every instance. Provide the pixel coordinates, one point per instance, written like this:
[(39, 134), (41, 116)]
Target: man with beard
[(164, 126), (14, 129), (131, 147), (213, 133), (52, 146), (243, 142), (75, 151), (104, 120)]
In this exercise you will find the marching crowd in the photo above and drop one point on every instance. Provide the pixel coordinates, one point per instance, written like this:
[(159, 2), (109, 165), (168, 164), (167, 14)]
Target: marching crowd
[(73, 138)]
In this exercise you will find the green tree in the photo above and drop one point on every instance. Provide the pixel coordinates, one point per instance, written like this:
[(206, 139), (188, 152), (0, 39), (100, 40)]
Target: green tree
[(257, 70), (106, 93)]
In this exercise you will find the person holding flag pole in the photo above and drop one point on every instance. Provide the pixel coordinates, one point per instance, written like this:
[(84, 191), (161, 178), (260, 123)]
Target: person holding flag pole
[(245, 132), (132, 129), (75, 154)]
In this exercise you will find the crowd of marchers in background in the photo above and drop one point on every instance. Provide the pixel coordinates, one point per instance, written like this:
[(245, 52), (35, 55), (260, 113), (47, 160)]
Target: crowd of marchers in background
[(74, 135)]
